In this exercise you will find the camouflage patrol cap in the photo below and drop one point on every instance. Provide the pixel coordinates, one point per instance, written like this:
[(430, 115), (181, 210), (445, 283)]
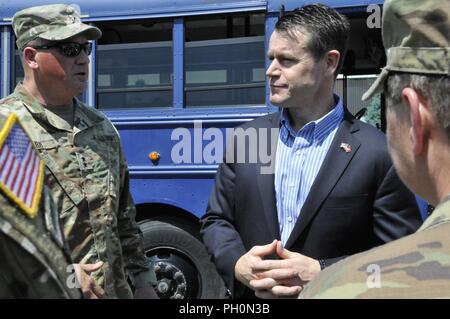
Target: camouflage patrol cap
[(55, 22), (416, 35)]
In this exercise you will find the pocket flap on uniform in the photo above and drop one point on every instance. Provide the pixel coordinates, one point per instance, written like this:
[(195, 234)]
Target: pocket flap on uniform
[(113, 185), (46, 144), (71, 189)]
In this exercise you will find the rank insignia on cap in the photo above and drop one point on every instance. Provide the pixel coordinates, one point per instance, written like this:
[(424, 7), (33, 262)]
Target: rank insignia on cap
[(21, 168), (346, 147)]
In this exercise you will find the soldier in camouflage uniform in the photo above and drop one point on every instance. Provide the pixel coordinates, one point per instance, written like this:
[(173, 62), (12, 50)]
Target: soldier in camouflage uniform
[(34, 262), (416, 81), (88, 174)]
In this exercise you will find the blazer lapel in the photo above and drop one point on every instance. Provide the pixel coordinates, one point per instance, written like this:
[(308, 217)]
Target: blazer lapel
[(266, 183), (334, 165)]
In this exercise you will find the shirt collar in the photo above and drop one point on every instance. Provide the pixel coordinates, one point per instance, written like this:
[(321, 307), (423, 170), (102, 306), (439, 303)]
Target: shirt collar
[(441, 214), (320, 127)]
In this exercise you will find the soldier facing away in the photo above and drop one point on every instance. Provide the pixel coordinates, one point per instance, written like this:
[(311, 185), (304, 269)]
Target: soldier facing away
[(416, 82), (34, 262), (88, 174)]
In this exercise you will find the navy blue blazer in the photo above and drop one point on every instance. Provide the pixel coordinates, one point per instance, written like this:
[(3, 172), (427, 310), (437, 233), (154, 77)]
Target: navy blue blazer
[(356, 202)]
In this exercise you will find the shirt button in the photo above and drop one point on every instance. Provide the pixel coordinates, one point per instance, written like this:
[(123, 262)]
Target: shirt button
[(289, 219), (291, 185), (298, 152)]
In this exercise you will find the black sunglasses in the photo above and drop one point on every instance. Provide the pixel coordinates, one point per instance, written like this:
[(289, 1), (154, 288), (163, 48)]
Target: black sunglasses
[(68, 49)]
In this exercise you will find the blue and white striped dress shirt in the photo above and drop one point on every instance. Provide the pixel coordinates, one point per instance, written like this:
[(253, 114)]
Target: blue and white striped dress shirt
[(299, 157)]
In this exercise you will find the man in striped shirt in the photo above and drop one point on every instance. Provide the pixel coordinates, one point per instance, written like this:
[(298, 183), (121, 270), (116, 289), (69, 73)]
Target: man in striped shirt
[(333, 191)]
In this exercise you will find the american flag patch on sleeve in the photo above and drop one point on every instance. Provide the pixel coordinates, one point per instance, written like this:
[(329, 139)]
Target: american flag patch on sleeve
[(21, 168)]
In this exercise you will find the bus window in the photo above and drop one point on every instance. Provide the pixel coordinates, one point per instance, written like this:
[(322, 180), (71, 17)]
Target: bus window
[(18, 70), (1, 69), (224, 61), (364, 59), (134, 64), (357, 85)]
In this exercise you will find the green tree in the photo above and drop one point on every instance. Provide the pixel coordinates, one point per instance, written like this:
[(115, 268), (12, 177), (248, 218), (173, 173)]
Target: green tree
[(373, 114)]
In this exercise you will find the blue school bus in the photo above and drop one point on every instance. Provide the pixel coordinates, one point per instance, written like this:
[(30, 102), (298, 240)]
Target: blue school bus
[(173, 76)]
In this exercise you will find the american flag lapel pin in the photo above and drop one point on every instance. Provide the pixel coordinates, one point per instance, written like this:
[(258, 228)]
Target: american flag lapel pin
[(346, 147)]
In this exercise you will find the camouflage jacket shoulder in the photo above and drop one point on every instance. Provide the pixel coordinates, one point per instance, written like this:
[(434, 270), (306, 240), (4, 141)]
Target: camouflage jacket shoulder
[(11, 104), (45, 270), (416, 266), (30, 236)]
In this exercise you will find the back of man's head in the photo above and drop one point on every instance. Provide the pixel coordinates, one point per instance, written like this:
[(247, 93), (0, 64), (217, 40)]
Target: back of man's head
[(326, 28)]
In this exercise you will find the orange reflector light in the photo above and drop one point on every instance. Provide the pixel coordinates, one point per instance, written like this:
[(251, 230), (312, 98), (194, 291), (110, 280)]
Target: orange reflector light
[(154, 156)]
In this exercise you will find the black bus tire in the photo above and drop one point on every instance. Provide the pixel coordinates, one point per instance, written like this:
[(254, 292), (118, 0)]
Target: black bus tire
[(166, 244)]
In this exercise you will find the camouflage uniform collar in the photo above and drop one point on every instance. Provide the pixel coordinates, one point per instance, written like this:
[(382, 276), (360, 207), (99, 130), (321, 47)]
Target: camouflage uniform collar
[(2, 120), (83, 115), (31, 103), (441, 214)]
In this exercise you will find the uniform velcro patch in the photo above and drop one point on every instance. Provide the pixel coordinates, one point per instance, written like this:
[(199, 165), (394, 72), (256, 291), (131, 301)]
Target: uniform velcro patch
[(21, 168)]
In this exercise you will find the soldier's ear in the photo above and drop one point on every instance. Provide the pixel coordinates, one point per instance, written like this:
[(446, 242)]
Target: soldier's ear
[(418, 113), (29, 57)]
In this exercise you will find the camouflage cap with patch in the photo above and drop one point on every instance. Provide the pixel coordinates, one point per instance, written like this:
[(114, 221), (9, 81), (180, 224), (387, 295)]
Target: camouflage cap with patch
[(416, 35), (55, 22)]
